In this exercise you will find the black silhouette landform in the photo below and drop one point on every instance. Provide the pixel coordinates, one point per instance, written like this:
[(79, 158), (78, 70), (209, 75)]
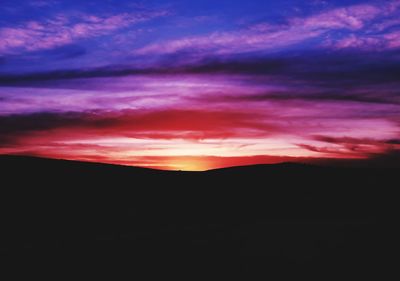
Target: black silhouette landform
[(247, 222)]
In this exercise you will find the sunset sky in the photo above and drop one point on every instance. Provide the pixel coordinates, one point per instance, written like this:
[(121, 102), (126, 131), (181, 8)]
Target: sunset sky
[(201, 84)]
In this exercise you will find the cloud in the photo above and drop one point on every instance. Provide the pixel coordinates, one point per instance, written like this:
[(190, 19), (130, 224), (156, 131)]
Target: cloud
[(162, 124), (331, 152), (393, 39), (377, 42), (12, 127), (351, 147), (312, 95), (131, 136), (265, 36), (352, 17), (346, 140), (223, 43), (351, 88), (321, 68), (62, 30), (360, 42)]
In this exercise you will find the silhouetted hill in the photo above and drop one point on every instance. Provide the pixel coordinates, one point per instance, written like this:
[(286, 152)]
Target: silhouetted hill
[(292, 219)]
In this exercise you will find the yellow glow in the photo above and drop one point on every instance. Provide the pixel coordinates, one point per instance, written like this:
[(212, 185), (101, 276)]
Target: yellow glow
[(188, 164)]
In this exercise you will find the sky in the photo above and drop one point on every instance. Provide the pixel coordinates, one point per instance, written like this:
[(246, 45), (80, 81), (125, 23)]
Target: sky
[(201, 84)]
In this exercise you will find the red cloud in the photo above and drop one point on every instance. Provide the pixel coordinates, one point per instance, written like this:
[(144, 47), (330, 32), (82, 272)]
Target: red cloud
[(164, 124)]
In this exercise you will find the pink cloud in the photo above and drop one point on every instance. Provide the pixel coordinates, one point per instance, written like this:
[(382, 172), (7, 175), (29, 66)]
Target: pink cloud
[(353, 18), (367, 42), (359, 42), (266, 36), (61, 30), (393, 39), (207, 128), (231, 42)]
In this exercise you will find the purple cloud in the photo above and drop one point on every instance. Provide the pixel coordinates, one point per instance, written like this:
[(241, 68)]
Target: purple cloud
[(352, 17), (231, 42), (359, 42), (63, 30), (266, 36), (379, 42), (393, 39)]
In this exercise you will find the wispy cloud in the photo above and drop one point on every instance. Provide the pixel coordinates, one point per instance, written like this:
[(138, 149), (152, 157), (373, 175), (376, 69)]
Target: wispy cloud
[(266, 36), (62, 30), (377, 42)]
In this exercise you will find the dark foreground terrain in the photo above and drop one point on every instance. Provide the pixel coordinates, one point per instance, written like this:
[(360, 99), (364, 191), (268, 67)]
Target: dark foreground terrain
[(247, 222)]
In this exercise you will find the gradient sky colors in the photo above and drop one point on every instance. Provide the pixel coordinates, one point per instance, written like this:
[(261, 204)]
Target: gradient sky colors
[(194, 85)]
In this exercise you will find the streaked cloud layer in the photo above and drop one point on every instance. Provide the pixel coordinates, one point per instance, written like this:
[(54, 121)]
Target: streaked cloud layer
[(176, 86)]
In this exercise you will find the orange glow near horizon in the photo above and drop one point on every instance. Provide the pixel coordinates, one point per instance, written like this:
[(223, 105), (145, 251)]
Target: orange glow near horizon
[(186, 154), (189, 164)]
